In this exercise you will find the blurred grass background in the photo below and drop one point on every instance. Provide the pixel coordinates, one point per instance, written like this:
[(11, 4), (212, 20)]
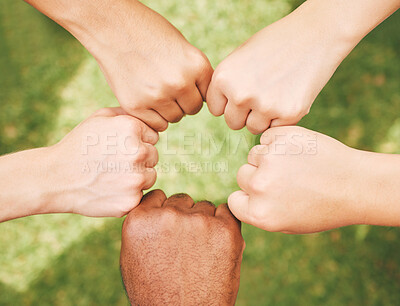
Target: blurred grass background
[(49, 83)]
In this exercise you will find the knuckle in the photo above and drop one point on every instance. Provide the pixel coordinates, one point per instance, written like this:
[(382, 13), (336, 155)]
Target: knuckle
[(201, 222), (103, 112), (143, 152), (156, 93), (169, 217), (201, 62), (228, 234), (178, 85), (266, 108), (141, 179), (295, 113), (128, 122), (259, 184), (219, 77), (241, 98)]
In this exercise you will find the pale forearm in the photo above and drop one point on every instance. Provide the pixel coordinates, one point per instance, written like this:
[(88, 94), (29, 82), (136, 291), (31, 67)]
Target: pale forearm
[(23, 187), (344, 22), (380, 188)]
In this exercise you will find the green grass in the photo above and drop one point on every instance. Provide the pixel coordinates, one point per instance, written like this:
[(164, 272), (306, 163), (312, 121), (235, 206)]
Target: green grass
[(49, 83)]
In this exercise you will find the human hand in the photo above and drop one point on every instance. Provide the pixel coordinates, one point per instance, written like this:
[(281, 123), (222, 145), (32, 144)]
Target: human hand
[(299, 181), (177, 252), (156, 75), (101, 167), (274, 77)]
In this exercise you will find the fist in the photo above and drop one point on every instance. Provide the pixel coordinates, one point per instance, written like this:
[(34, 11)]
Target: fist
[(273, 78), (157, 76), (297, 181), (177, 252), (102, 166)]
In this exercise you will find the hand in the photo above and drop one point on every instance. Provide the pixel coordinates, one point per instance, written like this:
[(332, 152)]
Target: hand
[(101, 167), (299, 181), (177, 252), (156, 75), (274, 77)]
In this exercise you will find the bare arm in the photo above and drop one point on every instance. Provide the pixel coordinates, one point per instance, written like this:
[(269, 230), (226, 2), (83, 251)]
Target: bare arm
[(299, 181), (156, 75), (99, 169), (275, 76), (23, 188)]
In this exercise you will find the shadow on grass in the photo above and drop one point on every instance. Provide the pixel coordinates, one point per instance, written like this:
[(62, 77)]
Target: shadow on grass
[(37, 57), (341, 267), (87, 273)]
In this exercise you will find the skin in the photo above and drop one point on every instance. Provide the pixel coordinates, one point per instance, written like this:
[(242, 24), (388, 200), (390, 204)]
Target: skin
[(299, 181), (155, 73), (79, 174), (177, 252), (274, 77)]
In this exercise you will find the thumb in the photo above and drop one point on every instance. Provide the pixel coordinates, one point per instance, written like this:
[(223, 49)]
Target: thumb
[(238, 203)]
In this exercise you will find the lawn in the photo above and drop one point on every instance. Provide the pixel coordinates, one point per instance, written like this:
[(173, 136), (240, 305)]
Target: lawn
[(49, 83)]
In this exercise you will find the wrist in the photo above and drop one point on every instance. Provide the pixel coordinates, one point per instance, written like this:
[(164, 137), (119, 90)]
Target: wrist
[(379, 188), (321, 21), (27, 190)]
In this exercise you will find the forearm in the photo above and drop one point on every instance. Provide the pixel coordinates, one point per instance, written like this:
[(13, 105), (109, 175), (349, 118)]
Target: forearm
[(379, 188), (102, 24), (24, 189), (342, 23)]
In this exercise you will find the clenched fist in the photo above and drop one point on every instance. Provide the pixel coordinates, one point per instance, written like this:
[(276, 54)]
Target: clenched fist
[(300, 181), (101, 167), (177, 252), (274, 77), (156, 75)]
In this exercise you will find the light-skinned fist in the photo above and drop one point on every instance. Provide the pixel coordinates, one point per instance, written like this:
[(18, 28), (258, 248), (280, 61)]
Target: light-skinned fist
[(273, 78), (299, 181), (155, 73), (102, 166)]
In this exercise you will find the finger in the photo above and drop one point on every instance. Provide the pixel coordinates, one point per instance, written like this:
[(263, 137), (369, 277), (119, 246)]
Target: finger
[(244, 176), (191, 101), (170, 111), (204, 207), (269, 136), (257, 122), (238, 203), (154, 198), (151, 154), (287, 120), (150, 177), (148, 135), (180, 200), (109, 112), (216, 100), (257, 154), (235, 116), (204, 81), (152, 119)]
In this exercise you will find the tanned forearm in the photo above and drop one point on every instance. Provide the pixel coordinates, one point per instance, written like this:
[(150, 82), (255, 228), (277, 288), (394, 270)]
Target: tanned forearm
[(93, 23)]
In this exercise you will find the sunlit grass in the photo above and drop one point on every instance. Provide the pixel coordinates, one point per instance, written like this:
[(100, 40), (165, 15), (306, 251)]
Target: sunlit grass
[(48, 84)]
